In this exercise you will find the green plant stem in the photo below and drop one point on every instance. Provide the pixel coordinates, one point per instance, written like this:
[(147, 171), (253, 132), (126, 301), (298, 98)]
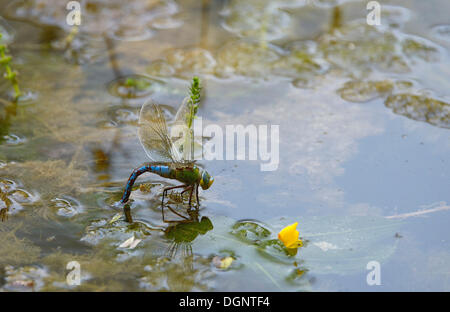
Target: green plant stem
[(194, 94), (10, 74)]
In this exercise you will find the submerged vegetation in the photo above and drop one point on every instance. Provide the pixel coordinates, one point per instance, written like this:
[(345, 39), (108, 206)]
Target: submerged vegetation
[(11, 75)]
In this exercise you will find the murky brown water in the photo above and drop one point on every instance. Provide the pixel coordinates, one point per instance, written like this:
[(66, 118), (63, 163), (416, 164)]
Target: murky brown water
[(364, 115)]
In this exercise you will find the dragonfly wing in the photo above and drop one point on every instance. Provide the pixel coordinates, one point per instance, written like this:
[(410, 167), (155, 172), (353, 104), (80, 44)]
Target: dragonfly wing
[(182, 113), (154, 136), (186, 144)]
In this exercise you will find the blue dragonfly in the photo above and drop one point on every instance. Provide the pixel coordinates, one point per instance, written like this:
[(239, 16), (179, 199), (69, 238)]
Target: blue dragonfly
[(171, 156)]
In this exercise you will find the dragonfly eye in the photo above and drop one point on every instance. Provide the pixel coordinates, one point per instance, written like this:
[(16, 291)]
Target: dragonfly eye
[(206, 180), (210, 182)]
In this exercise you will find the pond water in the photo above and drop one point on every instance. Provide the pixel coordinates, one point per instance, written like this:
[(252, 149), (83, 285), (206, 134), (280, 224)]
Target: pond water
[(364, 167)]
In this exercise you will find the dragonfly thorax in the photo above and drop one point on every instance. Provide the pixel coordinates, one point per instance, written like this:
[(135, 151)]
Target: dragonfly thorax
[(192, 175)]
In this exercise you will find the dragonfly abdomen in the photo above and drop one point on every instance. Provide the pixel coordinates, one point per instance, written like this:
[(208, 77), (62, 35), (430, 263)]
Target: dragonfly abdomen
[(136, 172), (163, 171)]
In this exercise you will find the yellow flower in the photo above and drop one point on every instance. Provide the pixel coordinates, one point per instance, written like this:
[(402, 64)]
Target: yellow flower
[(222, 263), (290, 236)]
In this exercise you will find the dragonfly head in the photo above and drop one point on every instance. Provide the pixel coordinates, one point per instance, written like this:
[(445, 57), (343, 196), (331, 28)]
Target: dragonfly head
[(206, 180)]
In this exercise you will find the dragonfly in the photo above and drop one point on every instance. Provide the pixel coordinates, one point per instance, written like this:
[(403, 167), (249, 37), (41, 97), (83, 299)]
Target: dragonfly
[(171, 155)]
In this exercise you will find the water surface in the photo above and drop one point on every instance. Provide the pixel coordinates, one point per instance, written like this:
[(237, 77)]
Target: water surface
[(364, 115)]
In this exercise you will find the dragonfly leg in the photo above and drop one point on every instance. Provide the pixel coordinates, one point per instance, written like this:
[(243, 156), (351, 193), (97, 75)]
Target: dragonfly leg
[(190, 196), (164, 195), (196, 197), (178, 214), (186, 189), (170, 188), (189, 188)]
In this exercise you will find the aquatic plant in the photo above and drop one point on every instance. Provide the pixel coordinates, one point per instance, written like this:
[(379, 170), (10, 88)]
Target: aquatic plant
[(192, 104), (194, 100), (136, 83), (71, 36), (10, 74), (421, 108)]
